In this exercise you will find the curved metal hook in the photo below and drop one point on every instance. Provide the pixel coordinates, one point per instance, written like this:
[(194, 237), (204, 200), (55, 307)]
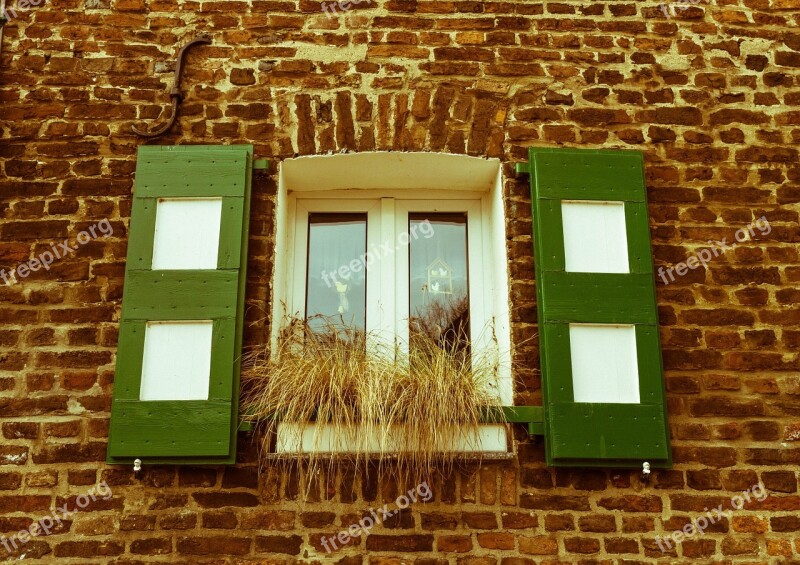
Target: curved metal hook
[(175, 93)]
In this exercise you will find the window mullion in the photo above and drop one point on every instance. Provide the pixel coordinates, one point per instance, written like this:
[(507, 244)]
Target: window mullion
[(399, 275), (382, 260)]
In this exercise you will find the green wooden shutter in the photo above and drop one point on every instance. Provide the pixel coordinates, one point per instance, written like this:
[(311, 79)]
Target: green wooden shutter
[(596, 433), (198, 430)]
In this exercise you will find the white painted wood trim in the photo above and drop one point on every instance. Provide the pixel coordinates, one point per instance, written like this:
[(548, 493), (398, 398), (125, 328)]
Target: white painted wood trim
[(387, 305), (385, 176), (386, 171), (322, 438)]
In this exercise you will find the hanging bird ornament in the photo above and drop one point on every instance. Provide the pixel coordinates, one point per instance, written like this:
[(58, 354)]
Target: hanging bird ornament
[(344, 304)]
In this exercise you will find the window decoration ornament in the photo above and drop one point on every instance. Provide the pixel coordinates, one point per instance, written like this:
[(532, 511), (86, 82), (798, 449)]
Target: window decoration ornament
[(440, 278), (344, 304)]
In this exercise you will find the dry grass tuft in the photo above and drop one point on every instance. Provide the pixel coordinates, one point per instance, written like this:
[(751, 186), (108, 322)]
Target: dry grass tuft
[(424, 402)]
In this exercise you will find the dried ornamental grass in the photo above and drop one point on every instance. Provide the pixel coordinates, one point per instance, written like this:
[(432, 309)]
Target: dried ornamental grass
[(423, 402)]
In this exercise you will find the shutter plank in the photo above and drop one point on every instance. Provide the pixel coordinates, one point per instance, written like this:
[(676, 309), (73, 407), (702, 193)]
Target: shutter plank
[(191, 428), (194, 172), (628, 431), (603, 298), (589, 175), (180, 295)]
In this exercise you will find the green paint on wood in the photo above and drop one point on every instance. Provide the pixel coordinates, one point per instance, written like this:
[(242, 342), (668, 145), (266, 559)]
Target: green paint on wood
[(588, 434), (170, 429), (197, 431), (627, 431), (588, 175), (180, 295), (598, 298), (196, 172)]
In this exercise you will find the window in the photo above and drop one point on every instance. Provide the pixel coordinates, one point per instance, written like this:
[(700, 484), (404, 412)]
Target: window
[(373, 246), (438, 279), (391, 244), (336, 242), (390, 265)]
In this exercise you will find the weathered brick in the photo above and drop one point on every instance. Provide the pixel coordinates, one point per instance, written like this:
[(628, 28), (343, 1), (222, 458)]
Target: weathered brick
[(538, 545), (151, 546), (454, 544), (288, 545), (411, 543), (222, 499), (213, 545), (716, 119), (88, 549)]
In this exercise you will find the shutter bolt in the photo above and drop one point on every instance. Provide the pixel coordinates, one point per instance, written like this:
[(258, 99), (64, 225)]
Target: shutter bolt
[(137, 469), (645, 472)]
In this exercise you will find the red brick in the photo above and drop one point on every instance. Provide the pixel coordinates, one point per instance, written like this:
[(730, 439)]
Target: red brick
[(495, 540), (538, 545), (88, 549), (288, 545), (480, 520), (222, 499), (151, 546), (214, 545), (454, 544), (407, 543)]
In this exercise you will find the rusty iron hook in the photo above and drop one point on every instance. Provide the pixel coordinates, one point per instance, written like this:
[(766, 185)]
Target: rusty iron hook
[(175, 93)]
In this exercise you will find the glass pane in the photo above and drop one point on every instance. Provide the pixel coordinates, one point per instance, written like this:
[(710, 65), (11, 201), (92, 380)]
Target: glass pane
[(336, 285), (439, 283)]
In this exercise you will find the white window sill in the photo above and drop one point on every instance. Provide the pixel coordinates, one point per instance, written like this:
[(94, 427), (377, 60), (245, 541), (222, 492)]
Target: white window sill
[(489, 440)]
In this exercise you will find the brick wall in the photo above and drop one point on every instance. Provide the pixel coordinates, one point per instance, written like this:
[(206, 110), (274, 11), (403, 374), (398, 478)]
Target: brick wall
[(711, 96)]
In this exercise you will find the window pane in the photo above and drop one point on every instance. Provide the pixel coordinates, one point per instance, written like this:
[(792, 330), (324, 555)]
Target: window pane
[(336, 285), (439, 285)]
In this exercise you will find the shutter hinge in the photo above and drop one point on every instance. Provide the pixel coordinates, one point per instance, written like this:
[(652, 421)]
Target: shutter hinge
[(532, 416), (523, 169), (260, 164)]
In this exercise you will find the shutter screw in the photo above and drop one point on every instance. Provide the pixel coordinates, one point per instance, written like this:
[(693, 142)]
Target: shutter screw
[(645, 472), (137, 469)]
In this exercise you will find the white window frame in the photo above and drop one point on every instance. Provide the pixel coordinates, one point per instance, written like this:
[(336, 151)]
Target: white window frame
[(409, 183), (298, 250), (388, 277), (478, 291)]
